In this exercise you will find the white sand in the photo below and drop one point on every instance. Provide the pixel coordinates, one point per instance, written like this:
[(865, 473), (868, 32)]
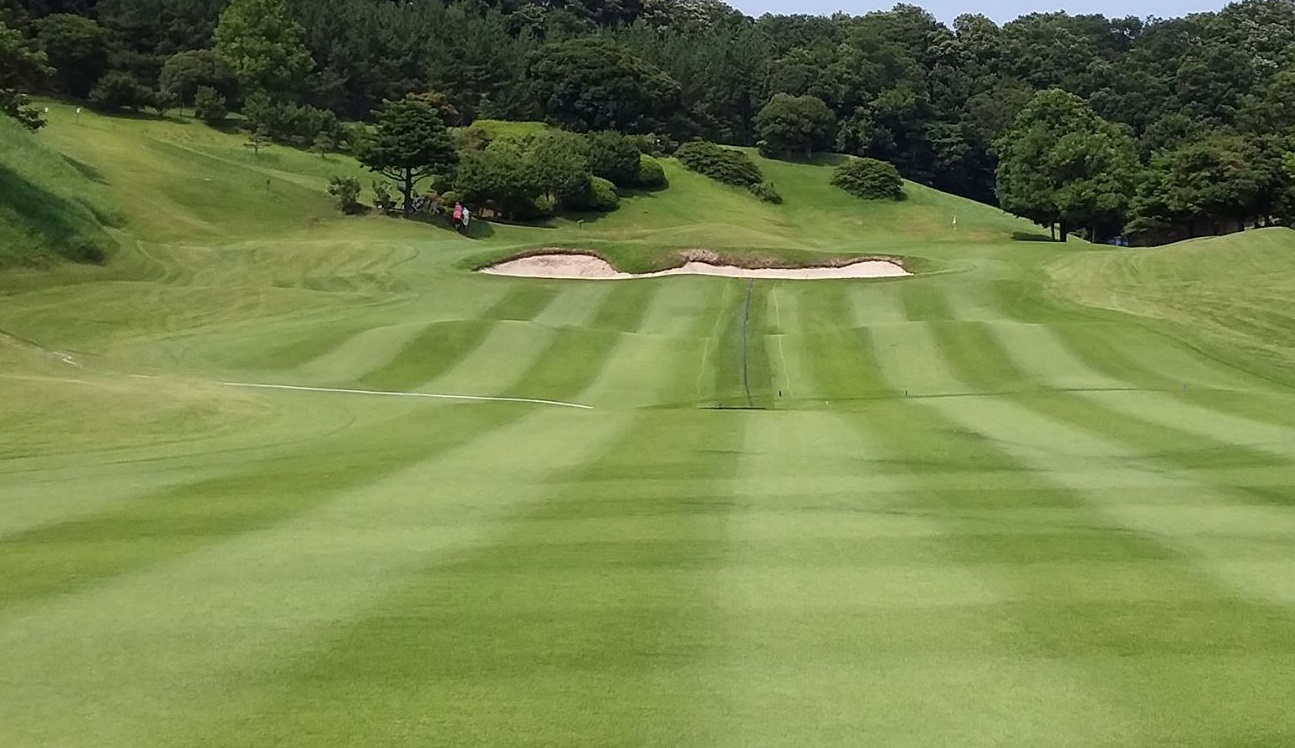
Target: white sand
[(588, 267)]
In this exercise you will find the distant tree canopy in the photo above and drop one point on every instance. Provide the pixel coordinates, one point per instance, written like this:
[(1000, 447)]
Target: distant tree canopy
[(184, 73), (262, 43), (588, 84), (77, 50), (938, 101), (21, 69)]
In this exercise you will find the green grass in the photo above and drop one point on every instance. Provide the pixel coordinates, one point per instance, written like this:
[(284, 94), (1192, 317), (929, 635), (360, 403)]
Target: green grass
[(50, 205), (1038, 495)]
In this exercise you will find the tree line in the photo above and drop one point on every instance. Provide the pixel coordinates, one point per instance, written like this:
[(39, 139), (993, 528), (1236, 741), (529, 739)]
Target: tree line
[(1156, 129)]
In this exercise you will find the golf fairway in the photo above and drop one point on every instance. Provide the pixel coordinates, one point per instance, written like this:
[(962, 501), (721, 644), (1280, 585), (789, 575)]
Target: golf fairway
[(1035, 495)]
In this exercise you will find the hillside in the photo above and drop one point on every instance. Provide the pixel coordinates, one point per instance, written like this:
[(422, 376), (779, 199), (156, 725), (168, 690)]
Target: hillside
[(181, 181), (1233, 290), (50, 205)]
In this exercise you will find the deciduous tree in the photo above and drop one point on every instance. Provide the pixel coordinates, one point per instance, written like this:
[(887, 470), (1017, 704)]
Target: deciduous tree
[(795, 124), (262, 44), (1061, 163)]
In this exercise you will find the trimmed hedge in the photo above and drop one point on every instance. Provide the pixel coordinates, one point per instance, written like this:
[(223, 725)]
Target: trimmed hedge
[(651, 174), (599, 197), (721, 164), (869, 179), (613, 157)]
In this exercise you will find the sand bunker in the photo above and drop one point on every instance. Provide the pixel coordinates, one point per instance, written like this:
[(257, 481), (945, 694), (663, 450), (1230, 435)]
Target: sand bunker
[(589, 267)]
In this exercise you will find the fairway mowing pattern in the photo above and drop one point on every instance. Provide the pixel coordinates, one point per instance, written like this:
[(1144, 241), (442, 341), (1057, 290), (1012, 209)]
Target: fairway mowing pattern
[(506, 616), (1038, 496)]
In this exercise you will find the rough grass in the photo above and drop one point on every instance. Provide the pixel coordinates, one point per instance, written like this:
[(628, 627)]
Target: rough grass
[(1039, 495), (50, 205)]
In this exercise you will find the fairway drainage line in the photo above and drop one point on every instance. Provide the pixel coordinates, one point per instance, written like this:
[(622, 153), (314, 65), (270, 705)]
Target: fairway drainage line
[(429, 395), (746, 319)]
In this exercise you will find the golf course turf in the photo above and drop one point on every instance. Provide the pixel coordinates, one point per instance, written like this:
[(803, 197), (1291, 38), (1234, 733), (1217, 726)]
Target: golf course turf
[(1037, 494)]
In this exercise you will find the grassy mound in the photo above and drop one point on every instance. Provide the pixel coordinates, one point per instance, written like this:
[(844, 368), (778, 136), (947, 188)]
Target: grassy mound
[(50, 205), (1234, 290)]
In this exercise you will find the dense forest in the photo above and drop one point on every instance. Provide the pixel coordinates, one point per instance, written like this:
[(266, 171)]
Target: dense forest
[(1156, 129)]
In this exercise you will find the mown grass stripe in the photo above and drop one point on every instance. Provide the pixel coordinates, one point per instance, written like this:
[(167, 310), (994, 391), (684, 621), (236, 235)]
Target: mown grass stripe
[(924, 301), (842, 362), (1158, 441), (874, 304), (910, 362), (203, 629), (1082, 589), (572, 361), (434, 351), (1047, 566), (155, 528), (629, 309), (524, 300), (576, 305), (552, 622)]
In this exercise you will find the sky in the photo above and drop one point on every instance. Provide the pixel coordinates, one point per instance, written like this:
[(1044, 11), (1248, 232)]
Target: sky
[(999, 10)]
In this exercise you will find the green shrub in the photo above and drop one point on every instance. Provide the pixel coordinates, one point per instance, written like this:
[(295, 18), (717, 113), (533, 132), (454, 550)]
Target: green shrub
[(651, 174), (613, 157), (766, 192), (119, 90), (162, 102), (383, 198), (599, 197), (542, 208), (210, 105), (721, 164), (346, 190), (869, 179)]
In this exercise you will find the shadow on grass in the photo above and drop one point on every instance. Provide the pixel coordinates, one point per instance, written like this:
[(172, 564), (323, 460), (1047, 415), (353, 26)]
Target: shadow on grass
[(818, 159), (1023, 236), (69, 228), (88, 171)]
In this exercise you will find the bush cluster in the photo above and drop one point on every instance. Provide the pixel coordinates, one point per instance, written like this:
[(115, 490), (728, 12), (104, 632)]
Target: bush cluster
[(869, 179), (120, 90), (721, 164), (300, 125), (534, 176), (346, 190), (614, 157)]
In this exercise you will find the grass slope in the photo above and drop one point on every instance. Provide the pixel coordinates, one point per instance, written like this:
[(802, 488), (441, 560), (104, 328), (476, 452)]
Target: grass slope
[(1233, 290), (1040, 496), (49, 204)]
